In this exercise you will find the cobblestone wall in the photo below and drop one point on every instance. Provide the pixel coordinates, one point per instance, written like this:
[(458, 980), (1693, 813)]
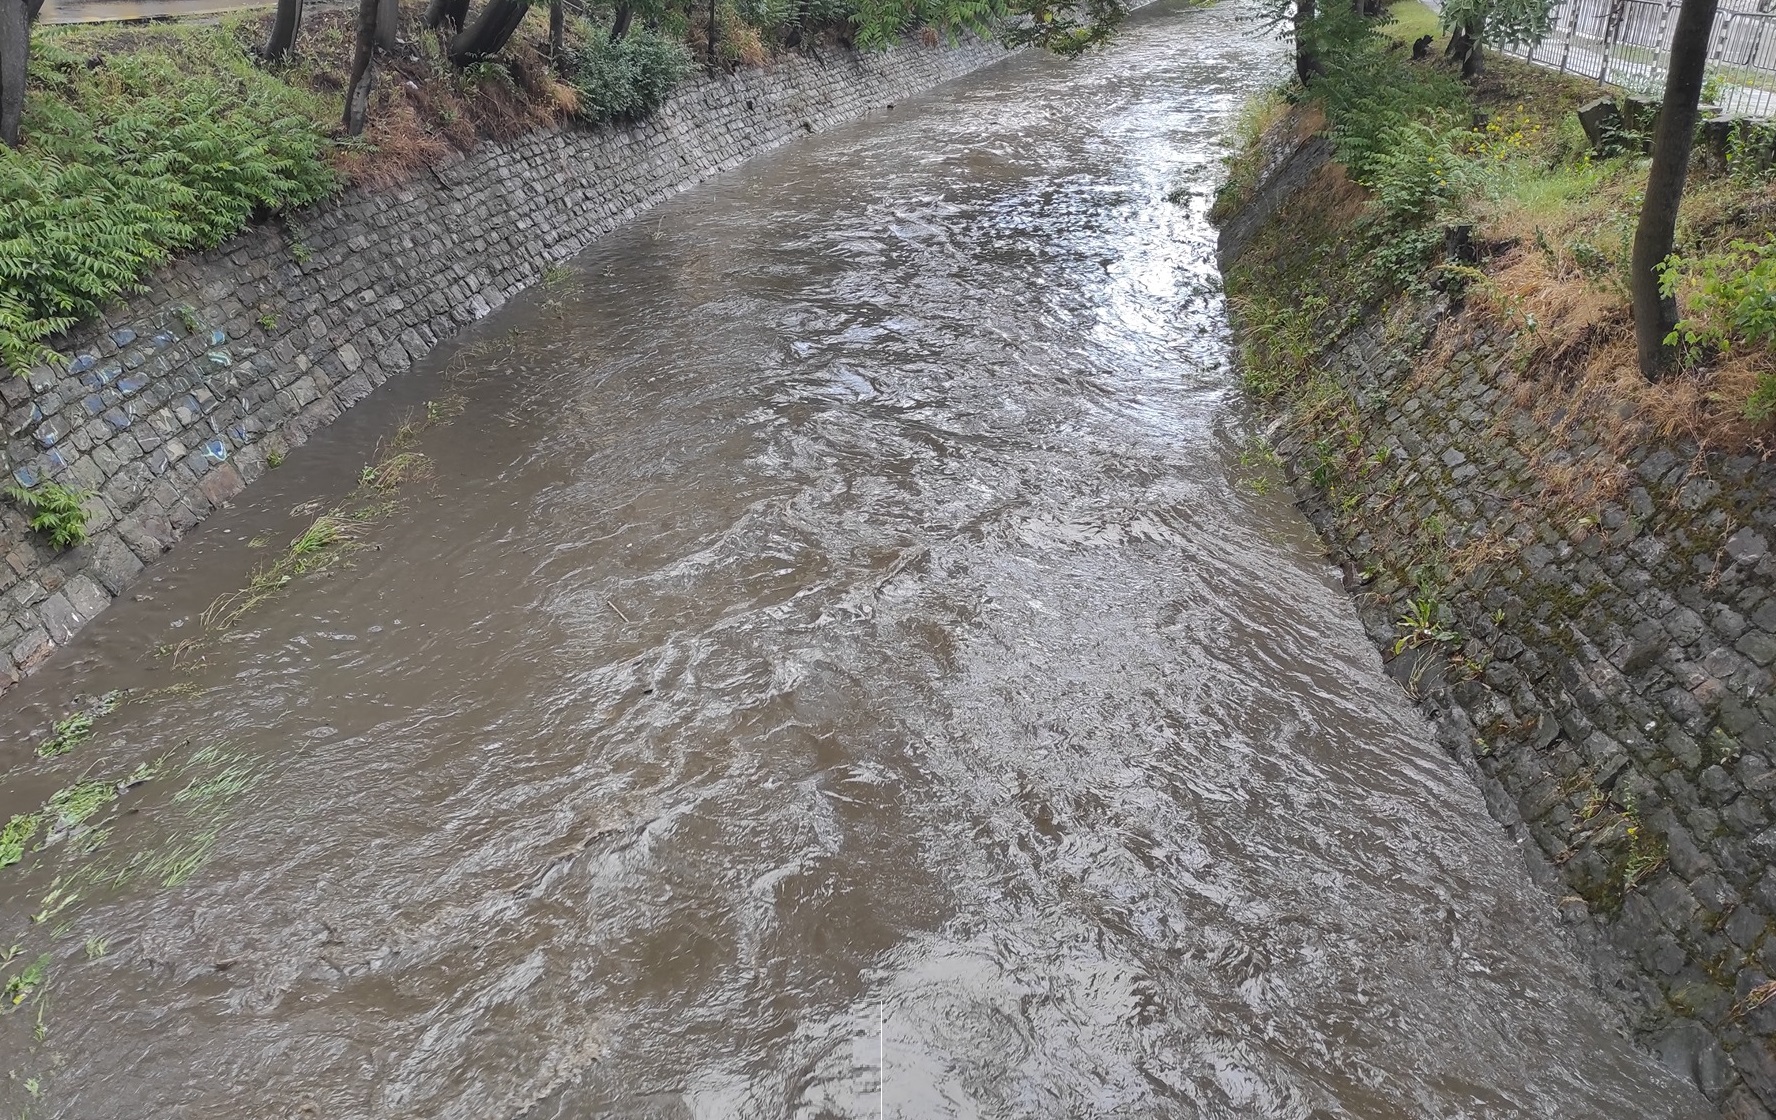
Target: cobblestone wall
[(174, 402), (1609, 678)]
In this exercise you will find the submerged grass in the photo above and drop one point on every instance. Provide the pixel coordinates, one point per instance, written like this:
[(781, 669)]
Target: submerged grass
[(21, 985), (331, 538), (16, 837), (166, 845), (75, 729), (74, 805)]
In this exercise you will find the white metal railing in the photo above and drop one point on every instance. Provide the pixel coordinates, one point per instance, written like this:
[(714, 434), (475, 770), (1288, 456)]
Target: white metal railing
[(1627, 43)]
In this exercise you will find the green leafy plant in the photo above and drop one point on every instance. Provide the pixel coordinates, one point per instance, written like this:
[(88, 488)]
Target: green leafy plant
[(1751, 152), (16, 836), (132, 159), (1499, 22), (21, 984), (1422, 622), (55, 511), (1713, 85), (627, 79), (1730, 300)]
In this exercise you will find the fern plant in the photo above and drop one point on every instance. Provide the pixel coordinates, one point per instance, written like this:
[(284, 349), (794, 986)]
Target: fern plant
[(133, 160), (54, 510)]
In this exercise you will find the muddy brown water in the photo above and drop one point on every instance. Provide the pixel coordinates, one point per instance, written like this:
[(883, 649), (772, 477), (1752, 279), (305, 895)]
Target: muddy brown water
[(840, 669)]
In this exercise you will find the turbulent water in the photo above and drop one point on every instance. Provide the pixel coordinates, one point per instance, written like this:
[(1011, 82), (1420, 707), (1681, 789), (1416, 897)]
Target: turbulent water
[(841, 668)]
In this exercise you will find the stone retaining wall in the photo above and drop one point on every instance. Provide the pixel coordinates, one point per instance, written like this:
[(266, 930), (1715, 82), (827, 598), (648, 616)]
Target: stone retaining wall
[(1609, 682), (176, 400)]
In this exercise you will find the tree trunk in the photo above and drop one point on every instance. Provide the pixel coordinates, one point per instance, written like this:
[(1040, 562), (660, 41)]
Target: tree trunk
[(1655, 315), (621, 21), (490, 31), (1307, 59), (798, 27), (363, 69), (712, 34), (1464, 47), (285, 26), (449, 14), (557, 29), (32, 7), (15, 54), (388, 21)]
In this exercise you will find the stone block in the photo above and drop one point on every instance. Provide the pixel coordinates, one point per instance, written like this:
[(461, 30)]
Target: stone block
[(59, 618), (221, 484)]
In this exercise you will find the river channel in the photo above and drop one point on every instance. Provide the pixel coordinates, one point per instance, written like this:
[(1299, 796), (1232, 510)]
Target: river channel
[(841, 667)]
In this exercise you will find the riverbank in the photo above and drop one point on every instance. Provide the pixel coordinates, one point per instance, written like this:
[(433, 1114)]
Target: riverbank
[(1568, 569), (834, 616), (182, 395)]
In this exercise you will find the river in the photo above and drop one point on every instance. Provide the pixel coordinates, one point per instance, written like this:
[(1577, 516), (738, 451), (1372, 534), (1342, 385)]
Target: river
[(843, 666)]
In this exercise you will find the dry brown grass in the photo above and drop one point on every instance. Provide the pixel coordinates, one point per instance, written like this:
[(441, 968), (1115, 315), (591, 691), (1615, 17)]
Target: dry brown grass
[(1574, 340), (742, 45), (1558, 283), (421, 108)]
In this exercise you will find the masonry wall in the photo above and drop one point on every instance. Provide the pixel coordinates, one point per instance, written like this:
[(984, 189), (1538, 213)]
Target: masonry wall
[(1609, 684), (174, 402)]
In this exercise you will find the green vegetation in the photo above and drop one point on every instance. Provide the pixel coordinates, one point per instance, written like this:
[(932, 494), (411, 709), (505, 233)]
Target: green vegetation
[(85, 850), (1732, 294), (138, 143), (75, 729), (1425, 621), (22, 984), (16, 836), (171, 146), (74, 804), (54, 510), (331, 537), (1490, 191), (627, 79)]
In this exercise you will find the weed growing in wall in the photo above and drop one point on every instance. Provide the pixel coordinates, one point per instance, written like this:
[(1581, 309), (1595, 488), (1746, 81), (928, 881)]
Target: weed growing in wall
[(54, 510)]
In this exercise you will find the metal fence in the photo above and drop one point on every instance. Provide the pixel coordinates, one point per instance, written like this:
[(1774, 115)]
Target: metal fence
[(1627, 43)]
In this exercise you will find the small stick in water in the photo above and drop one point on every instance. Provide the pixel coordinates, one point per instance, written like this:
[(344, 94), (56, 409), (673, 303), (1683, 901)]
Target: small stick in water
[(619, 611)]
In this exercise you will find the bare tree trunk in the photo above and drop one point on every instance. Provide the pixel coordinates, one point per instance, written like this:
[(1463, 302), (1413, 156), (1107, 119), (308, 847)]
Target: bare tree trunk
[(363, 69), (15, 54), (621, 21), (1464, 47), (1655, 315), (557, 29), (451, 14), (490, 31), (712, 34), (798, 28), (32, 7), (285, 26), (1307, 59), (388, 21)]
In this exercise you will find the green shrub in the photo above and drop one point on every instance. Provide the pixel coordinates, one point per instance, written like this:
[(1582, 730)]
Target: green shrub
[(55, 511), (1420, 174), (1369, 90), (133, 159), (627, 79), (1732, 295), (1731, 300)]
